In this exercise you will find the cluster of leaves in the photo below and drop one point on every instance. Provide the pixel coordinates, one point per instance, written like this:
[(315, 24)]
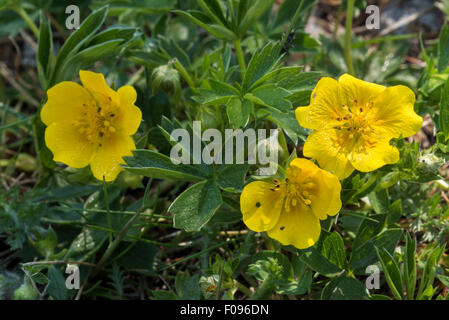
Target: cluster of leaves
[(167, 231)]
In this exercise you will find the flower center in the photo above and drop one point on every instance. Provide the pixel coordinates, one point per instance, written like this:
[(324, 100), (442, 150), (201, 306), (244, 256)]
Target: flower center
[(96, 119), (355, 126), (297, 188)]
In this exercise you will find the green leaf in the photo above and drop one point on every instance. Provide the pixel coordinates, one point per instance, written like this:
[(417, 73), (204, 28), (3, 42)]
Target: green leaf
[(344, 288), (391, 271), (231, 178), (410, 266), (202, 20), (87, 57), (395, 212), (288, 123), (363, 252), (261, 63), (444, 280), (270, 96), (444, 110), (196, 206), (209, 97), (443, 49), (77, 39), (67, 192), (57, 288), (256, 10), (429, 272), (44, 51), (290, 78), (334, 250), (112, 33), (380, 201), (287, 270), (300, 97), (153, 164), (237, 114), (213, 9), (315, 260), (139, 257), (187, 287)]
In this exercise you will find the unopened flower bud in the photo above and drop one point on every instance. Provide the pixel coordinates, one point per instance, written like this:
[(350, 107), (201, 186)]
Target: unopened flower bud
[(429, 164), (165, 78)]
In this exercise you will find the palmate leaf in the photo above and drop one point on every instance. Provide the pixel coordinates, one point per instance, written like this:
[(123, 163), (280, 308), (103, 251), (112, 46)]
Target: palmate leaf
[(271, 96), (260, 64)]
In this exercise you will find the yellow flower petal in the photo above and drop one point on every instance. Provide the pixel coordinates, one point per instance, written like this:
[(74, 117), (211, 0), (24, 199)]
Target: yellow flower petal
[(68, 145), (260, 205), (356, 92), (65, 102), (95, 83), (375, 157), (130, 116), (108, 157), (394, 114), (324, 190), (325, 106), (298, 227), (326, 201), (328, 148)]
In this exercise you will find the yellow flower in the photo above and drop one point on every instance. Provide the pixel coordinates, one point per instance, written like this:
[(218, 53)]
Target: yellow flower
[(290, 210), (91, 124), (353, 123)]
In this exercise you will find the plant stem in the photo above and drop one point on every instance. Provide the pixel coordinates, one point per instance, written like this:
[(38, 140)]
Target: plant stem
[(264, 292), (28, 20), (292, 23), (184, 74), (107, 210), (240, 58), (112, 246), (243, 288), (337, 20), (348, 58)]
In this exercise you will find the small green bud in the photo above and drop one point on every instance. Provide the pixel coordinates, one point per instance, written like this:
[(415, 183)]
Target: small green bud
[(26, 292), (429, 164), (166, 78), (26, 163)]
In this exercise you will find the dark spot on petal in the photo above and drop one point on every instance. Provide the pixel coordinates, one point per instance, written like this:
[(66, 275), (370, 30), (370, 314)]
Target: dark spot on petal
[(100, 134), (109, 98), (112, 115), (282, 228), (99, 109), (361, 109), (100, 145), (314, 95), (258, 204)]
